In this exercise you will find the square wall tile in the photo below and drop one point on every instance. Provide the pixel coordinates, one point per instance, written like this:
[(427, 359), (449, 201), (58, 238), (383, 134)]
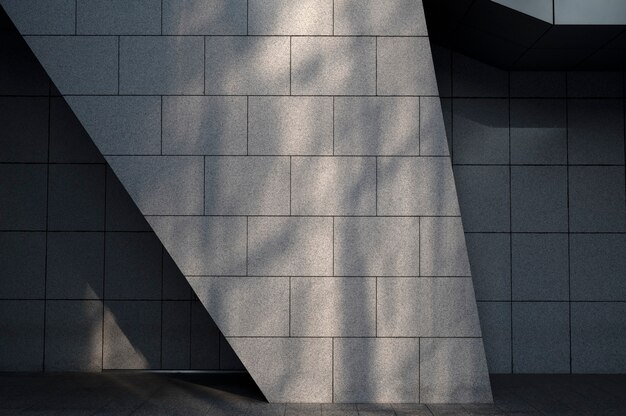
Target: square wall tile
[(538, 84), (596, 131), (598, 267), (20, 71), (73, 335), (541, 337), (133, 266), (443, 251), (69, 142), (538, 131), (596, 199), (484, 197), (75, 265), (490, 260), (472, 78), (205, 340), (539, 198), (122, 213), (495, 321), (132, 335), (22, 322), (176, 335), (405, 67), (480, 131), (595, 84), (22, 265), (175, 285), (540, 267), (76, 198), (24, 124), (23, 197)]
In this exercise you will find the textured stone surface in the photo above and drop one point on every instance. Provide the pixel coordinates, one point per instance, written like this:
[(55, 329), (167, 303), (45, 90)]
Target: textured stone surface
[(379, 370), (23, 264), (26, 349), (204, 125), (79, 64), (204, 17), (247, 185), (42, 17), (242, 65), (204, 245), (121, 125), (25, 129), (490, 260), (448, 371), (442, 247), (118, 17), (333, 66), (333, 306), (246, 306), (426, 307), (495, 321), (290, 369), (432, 128), (23, 190), (286, 246), (377, 246), (371, 17), (169, 185), (405, 67), (333, 186), (161, 65), (290, 126), (377, 125), (279, 17), (416, 186)]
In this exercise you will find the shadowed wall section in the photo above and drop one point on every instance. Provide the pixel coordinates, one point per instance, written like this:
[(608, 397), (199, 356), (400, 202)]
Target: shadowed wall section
[(292, 159)]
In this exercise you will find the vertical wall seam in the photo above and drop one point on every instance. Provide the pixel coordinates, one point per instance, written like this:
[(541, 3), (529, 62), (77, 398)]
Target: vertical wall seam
[(161, 124), (290, 180), (162, 304), (510, 218), (104, 248), (247, 124), (376, 65), (76, 17), (45, 272), (569, 277), (332, 369), (204, 185), (118, 63), (290, 67), (204, 65)]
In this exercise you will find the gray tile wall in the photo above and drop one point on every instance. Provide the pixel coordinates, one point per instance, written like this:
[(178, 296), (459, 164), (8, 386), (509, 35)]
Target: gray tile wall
[(84, 284), (538, 159)]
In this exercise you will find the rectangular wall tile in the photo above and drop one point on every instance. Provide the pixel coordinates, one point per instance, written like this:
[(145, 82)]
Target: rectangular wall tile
[(24, 129), (79, 64), (442, 247), (204, 125), (132, 335), (176, 335), (538, 84), (416, 186), (284, 246), (162, 65), (382, 370), (175, 285), (433, 134), (247, 65), (598, 338), (453, 371), (43, 17), (495, 321), (333, 66), (598, 267), (168, 185), (23, 265), (587, 84), (540, 267), (490, 260), (76, 197), (596, 199), (69, 142), (539, 199), (246, 306), (22, 73), (23, 196), (372, 17), (279, 17), (204, 17), (256, 185), (472, 78), (118, 17), (290, 126), (484, 197), (541, 337), (75, 263), (426, 307), (405, 67), (121, 212), (377, 126), (333, 306), (22, 321), (74, 335), (121, 125), (333, 186), (133, 266), (377, 246), (209, 245), (205, 339)]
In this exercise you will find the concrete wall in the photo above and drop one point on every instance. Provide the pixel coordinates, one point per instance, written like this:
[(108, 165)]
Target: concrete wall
[(539, 164), (85, 284), (297, 173)]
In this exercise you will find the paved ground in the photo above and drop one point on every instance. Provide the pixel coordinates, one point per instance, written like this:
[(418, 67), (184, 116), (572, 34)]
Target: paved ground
[(194, 394)]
